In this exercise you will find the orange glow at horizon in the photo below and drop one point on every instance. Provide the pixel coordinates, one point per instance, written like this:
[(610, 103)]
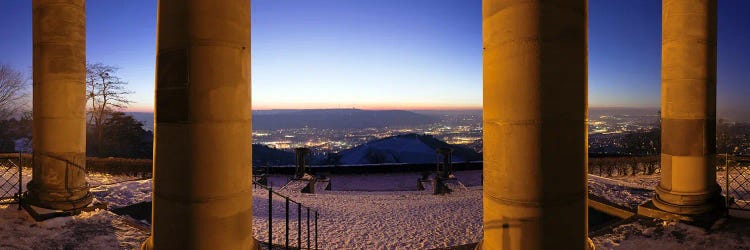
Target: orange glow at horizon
[(362, 107), (144, 108)]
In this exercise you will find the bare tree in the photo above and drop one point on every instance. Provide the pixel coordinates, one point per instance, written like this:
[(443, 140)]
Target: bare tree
[(12, 91), (106, 93)]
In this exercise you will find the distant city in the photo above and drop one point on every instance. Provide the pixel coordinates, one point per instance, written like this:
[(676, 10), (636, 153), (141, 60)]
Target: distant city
[(612, 131), (455, 128)]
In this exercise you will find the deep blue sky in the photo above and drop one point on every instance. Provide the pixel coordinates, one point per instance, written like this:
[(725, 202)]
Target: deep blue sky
[(393, 53)]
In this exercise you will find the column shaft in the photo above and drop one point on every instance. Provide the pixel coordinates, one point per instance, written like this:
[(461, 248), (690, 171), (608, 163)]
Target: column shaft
[(202, 159), (688, 102), (59, 129), (535, 117)]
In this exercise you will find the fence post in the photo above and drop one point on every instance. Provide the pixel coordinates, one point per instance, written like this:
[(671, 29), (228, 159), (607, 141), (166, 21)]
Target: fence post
[(299, 225), (286, 228), (308, 228), (270, 217), (316, 230), (20, 180), (726, 182)]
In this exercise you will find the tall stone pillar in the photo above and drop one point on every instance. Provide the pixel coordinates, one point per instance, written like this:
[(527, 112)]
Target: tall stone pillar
[(59, 131), (688, 102), (535, 124), (202, 196)]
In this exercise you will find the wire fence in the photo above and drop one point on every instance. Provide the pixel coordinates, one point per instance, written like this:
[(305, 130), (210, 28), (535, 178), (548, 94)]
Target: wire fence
[(304, 237), (11, 179), (738, 183)]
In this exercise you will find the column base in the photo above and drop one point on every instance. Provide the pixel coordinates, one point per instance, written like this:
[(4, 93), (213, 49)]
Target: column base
[(704, 220), (589, 244), (32, 197), (688, 204), (41, 214), (148, 244)]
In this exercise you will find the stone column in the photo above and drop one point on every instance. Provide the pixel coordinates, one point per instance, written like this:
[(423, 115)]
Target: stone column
[(535, 124), (59, 131), (202, 197), (688, 102)]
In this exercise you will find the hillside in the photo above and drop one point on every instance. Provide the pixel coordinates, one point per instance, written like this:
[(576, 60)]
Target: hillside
[(264, 155), (408, 148)]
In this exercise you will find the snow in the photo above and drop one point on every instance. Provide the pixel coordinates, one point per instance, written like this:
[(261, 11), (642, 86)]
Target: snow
[(741, 194), (619, 192), (646, 233), (99, 179), (295, 185), (99, 229), (655, 234), (376, 216), (123, 194), (381, 182), (455, 186), (371, 218), (378, 220), (631, 190), (397, 149), (94, 179)]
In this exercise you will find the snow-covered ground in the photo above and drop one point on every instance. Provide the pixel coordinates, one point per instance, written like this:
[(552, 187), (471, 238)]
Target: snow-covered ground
[(620, 192), (94, 179), (90, 230), (392, 149), (123, 194), (646, 233), (99, 229), (648, 182), (364, 219), (379, 220), (381, 182), (117, 190)]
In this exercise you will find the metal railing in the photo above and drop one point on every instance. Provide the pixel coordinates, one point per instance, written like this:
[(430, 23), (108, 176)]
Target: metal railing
[(738, 183), (11, 179), (70, 166), (311, 242)]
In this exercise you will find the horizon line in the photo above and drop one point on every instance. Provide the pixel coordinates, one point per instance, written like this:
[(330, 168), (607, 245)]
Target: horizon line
[(437, 108)]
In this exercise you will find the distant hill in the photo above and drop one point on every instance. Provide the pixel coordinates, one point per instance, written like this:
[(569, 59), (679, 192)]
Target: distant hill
[(449, 112), (264, 155), (408, 148), (321, 118), (338, 119), (147, 118), (622, 111)]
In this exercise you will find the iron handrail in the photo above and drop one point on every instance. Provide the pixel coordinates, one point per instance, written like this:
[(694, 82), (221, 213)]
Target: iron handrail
[(300, 207), (68, 164)]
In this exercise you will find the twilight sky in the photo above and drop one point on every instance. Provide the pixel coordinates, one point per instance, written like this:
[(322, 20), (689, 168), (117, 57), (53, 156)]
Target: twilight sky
[(407, 54)]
